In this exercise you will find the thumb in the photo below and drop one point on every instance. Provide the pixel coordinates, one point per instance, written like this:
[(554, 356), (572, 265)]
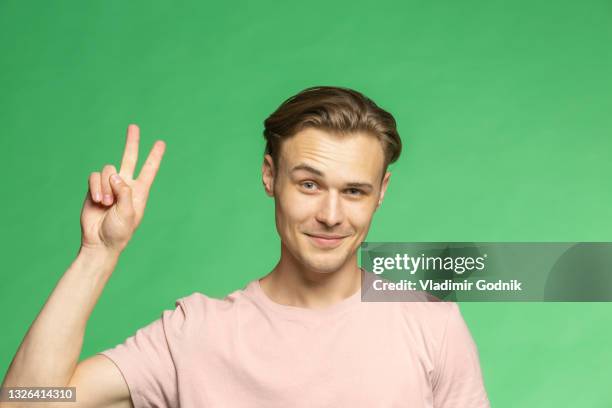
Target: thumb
[(123, 192)]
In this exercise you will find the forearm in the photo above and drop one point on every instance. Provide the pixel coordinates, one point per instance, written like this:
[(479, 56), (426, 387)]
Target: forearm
[(49, 352)]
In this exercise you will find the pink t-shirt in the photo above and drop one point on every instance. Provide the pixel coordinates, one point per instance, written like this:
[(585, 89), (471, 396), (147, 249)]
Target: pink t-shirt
[(247, 351)]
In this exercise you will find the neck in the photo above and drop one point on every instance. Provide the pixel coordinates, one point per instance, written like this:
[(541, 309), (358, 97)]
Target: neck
[(294, 284)]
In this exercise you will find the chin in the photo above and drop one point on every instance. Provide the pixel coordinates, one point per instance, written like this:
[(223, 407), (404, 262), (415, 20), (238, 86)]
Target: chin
[(324, 263)]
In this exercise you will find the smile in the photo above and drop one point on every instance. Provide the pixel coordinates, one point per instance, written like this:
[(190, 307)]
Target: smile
[(326, 241)]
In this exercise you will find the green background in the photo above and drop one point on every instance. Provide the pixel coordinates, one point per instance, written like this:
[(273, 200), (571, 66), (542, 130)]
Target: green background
[(504, 109)]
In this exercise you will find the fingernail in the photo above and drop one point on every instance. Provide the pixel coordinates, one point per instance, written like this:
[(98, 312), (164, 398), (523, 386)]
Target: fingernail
[(108, 199), (97, 197), (115, 178)]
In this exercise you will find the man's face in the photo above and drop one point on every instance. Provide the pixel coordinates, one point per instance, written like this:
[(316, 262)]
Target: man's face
[(326, 189)]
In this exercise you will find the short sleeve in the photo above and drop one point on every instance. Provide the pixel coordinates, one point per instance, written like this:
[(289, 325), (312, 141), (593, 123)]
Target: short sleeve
[(146, 362), (458, 381)]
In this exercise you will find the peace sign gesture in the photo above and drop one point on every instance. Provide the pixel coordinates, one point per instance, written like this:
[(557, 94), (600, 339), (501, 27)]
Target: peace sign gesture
[(115, 203)]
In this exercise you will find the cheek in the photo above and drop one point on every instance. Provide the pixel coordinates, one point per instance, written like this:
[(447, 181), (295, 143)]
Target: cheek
[(293, 208), (361, 215)]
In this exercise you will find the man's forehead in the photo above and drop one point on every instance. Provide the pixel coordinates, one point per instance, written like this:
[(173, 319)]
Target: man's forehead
[(355, 155)]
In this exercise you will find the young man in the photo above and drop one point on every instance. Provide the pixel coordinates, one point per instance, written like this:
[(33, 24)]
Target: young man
[(299, 336)]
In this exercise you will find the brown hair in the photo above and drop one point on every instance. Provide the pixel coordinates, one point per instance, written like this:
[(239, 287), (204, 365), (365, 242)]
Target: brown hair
[(335, 109)]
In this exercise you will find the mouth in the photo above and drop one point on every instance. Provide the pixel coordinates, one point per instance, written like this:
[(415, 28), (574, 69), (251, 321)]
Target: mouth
[(326, 241)]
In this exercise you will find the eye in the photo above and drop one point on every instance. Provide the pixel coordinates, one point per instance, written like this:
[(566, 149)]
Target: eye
[(354, 191), (309, 185)]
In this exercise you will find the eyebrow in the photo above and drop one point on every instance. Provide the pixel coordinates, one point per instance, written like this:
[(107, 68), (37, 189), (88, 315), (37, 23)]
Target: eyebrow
[(310, 169)]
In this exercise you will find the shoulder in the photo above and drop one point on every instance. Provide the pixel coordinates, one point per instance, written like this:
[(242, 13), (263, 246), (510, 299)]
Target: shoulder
[(198, 303), (419, 310), (431, 320), (433, 314), (196, 308)]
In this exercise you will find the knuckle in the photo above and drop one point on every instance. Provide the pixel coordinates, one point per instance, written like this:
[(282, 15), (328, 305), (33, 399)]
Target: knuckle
[(108, 168)]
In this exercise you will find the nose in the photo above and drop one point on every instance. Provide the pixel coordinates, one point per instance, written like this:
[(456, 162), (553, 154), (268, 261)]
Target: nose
[(330, 211)]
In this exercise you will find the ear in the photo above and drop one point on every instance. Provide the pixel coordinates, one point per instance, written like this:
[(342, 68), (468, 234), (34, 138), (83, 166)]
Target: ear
[(383, 189), (267, 175)]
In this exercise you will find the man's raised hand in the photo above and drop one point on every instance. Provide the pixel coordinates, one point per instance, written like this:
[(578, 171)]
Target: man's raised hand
[(115, 203)]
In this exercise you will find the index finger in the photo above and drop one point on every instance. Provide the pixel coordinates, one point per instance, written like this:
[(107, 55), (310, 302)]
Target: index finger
[(149, 169), (130, 153)]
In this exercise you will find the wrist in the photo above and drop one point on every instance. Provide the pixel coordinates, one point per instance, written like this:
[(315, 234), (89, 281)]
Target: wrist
[(98, 255)]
